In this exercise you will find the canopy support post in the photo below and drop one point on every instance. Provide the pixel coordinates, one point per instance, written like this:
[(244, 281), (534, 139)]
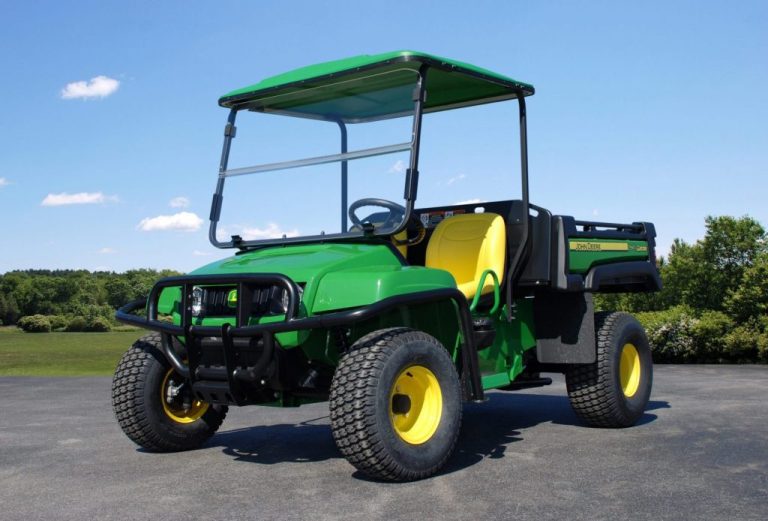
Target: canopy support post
[(344, 177), (522, 251)]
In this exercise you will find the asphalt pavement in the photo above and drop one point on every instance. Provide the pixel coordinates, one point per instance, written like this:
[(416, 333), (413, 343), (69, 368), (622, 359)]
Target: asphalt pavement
[(700, 452)]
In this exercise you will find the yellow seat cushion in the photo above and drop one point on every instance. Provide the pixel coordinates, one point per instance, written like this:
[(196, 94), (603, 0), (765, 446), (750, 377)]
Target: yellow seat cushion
[(467, 245)]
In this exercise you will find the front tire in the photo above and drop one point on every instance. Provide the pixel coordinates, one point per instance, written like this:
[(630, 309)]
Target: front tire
[(396, 405), (613, 391), (153, 404)]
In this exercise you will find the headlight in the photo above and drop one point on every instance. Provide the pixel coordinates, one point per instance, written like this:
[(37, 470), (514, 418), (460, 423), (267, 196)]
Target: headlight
[(278, 300), (218, 301), (197, 301)]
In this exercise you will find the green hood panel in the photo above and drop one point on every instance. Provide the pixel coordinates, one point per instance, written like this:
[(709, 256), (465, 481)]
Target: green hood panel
[(361, 286), (305, 262), (336, 276)]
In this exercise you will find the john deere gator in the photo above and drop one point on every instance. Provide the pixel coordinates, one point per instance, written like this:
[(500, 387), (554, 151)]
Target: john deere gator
[(397, 314)]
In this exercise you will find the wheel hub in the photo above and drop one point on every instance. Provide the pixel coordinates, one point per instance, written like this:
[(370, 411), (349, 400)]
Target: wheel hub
[(629, 370), (178, 404), (401, 404), (416, 404)]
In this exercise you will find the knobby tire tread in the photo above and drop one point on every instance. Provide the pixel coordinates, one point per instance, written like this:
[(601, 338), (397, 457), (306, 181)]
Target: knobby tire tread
[(128, 400), (353, 411), (591, 388)]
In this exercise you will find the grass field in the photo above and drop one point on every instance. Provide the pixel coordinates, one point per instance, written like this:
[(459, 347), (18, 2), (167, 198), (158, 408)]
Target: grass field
[(61, 354)]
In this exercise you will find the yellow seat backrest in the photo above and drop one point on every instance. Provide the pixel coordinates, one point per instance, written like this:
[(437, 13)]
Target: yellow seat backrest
[(403, 249), (466, 245)]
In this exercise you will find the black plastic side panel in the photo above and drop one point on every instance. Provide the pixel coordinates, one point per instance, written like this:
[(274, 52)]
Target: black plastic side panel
[(565, 328), (625, 276), (562, 228), (537, 268)]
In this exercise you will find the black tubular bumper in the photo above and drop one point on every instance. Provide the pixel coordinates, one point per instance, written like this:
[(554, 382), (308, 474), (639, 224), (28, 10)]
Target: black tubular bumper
[(246, 284)]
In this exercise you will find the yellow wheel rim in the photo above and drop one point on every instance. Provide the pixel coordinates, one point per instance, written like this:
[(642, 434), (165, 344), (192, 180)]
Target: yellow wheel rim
[(629, 370), (175, 410), (415, 404)]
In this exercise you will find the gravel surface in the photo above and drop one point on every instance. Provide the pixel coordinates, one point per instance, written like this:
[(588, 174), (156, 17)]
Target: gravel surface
[(700, 452)]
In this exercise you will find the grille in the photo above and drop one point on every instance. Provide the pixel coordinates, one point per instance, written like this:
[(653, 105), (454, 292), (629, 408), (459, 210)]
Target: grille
[(267, 301)]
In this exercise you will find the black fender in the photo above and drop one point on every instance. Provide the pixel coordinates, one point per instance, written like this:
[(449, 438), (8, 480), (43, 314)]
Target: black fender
[(624, 276)]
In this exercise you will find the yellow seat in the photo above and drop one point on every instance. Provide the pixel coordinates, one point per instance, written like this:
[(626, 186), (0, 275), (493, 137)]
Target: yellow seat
[(467, 245), (403, 249)]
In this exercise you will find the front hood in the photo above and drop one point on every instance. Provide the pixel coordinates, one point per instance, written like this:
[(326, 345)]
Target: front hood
[(303, 263)]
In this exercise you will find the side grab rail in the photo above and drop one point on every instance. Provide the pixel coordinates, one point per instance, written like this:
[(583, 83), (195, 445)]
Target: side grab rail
[(496, 292)]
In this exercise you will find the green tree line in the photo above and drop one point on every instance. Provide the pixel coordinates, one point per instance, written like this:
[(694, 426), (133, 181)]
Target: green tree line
[(714, 304), (73, 300)]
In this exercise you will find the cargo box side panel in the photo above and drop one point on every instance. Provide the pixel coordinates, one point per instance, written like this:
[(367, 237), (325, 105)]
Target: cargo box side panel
[(584, 253)]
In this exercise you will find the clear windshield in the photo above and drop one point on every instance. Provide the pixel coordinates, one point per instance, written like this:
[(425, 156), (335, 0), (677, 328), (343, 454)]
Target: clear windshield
[(291, 179)]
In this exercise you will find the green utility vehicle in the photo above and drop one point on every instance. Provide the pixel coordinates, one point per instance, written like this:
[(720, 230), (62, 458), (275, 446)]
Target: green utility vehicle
[(400, 313)]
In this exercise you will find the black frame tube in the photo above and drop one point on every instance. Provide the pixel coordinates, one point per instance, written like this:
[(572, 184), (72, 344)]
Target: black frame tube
[(522, 252), (344, 177), (241, 280), (412, 174), (229, 133), (167, 347)]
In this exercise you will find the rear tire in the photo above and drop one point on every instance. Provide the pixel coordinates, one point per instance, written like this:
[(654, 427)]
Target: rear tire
[(139, 399), (613, 391), (396, 405)]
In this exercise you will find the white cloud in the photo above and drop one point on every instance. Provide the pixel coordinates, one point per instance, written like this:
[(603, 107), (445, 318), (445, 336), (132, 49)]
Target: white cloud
[(64, 198), (182, 221), (470, 201), (272, 231), (179, 202), (455, 179), (98, 87), (398, 167), (107, 251), (198, 253), (595, 212), (4, 182)]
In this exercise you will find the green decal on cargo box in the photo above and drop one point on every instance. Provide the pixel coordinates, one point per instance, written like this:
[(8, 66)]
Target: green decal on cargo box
[(586, 253), (599, 246)]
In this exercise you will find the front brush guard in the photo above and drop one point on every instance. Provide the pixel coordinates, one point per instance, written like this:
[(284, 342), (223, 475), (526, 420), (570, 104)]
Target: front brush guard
[(246, 283)]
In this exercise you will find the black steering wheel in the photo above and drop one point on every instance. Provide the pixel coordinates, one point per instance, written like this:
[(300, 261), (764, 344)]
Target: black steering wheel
[(396, 212)]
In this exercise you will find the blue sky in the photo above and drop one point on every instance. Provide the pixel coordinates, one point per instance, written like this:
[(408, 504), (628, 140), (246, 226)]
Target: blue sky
[(643, 111)]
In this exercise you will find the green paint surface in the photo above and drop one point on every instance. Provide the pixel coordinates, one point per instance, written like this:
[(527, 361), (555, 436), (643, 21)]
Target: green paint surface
[(369, 87), (360, 286), (502, 361), (582, 261), (336, 276), (494, 381), (303, 263)]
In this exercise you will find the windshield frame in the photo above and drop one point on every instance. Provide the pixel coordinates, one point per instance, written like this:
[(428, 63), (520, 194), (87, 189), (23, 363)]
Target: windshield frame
[(410, 189)]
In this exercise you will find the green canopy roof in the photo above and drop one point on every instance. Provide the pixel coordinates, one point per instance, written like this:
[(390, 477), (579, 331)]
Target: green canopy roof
[(371, 87)]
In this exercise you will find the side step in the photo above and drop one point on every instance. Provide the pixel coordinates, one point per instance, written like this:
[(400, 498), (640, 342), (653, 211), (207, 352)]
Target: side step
[(526, 384)]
